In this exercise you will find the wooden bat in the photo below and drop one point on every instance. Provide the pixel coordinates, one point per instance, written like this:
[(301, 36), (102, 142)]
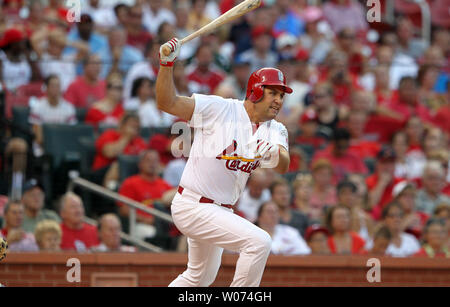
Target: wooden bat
[(237, 11)]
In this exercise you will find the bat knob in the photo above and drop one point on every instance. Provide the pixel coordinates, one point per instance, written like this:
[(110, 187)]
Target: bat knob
[(166, 50)]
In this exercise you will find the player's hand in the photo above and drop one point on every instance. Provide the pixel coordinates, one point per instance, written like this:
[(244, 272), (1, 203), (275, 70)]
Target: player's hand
[(270, 154), (174, 47), (3, 248)]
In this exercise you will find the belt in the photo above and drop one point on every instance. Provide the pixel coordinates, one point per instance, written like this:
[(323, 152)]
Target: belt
[(205, 200)]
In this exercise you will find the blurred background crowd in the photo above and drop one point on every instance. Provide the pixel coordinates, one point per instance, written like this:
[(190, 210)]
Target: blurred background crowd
[(368, 122)]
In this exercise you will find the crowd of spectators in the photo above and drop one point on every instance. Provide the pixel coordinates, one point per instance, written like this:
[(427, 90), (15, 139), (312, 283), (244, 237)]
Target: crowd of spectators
[(368, 122)]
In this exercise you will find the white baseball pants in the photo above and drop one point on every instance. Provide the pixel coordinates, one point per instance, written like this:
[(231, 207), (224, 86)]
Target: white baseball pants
[(211, 228)]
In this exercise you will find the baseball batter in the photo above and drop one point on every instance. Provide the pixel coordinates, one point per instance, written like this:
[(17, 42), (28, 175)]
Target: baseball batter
[(231, 139)]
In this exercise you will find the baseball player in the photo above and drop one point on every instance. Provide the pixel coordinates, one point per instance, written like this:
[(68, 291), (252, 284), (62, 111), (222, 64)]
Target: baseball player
[(211, 184)]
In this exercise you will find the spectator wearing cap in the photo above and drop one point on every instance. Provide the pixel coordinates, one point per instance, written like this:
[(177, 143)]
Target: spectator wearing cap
[(286, 45), (287, 20), (88, 88), (309, 130), (323, 193), (203, 73), (76, 234), (404, 193), (361, 222), (16, 66), (342, 14), (84, 32), (317, 237), (18, 239), (48, 236), (382, 182), (235, 84), (286, 240), (381, 241), (33, 200), (341, 158), (143, 102), (49, 109), (147, 187), (254, 195), (155, 14), (281, 196), (342, 240), (260, 55), (294, 104), (109, 110), (435, 236), (315, 38), (433, 181), (49, 47), (402, 244), (137, 35), (114, 142), (119, 56), (109, 227)]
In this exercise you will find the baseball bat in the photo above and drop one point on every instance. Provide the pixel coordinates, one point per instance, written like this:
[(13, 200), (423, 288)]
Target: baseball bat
[(237, 11)]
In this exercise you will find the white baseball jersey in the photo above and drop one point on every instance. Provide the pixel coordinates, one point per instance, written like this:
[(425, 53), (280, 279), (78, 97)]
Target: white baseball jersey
[(222, 156)]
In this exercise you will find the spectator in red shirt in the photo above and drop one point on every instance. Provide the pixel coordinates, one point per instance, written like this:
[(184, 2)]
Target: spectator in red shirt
[(147, 187), (342, 240), (109, 110), (441, 118), (88, 88), (406, 102), (382, 183), (434, 236), (342, 159), (360, 146), (203, 73), (114, 142), (309, 128), (137, 35), (76, 234)]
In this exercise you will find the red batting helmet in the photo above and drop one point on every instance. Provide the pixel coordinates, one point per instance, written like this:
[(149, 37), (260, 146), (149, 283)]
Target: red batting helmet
[(265, 76)]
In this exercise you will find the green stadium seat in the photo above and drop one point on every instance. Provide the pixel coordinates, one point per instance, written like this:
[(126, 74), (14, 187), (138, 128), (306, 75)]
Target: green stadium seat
[(61, 142), (80, 114), (21, 124), (128, 166)]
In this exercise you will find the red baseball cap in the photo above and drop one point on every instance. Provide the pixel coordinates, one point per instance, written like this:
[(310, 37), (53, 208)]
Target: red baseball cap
[(313, 229), (302, 55), (11, 36), (309, 115), (260, 30)]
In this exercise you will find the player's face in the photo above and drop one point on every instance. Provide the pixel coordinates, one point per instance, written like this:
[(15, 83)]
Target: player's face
[(271, 103)]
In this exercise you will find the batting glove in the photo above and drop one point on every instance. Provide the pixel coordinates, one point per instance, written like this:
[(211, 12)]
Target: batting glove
[(269, 153), (174, 46)]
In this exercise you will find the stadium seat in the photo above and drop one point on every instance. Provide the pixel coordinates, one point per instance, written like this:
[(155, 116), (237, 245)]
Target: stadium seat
[(148, 132), (128, 166), (21, 126), (87, 144), (61, 142), (80, 114)]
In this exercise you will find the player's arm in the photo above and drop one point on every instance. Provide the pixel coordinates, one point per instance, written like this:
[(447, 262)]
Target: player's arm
[(283, 161), (166, 98)]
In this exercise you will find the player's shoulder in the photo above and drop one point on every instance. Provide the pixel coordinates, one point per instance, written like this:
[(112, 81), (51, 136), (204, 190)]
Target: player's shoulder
[(276, 125)]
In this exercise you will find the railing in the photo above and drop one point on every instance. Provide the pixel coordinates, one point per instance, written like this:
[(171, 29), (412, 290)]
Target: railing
[(133, 206)]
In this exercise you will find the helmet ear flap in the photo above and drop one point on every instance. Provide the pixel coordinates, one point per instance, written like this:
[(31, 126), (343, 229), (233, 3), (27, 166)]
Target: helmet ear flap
[(257, 92)]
